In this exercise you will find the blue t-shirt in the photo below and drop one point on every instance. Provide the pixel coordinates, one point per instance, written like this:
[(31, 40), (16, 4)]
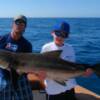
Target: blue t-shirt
[(7, 43), (21, 45)]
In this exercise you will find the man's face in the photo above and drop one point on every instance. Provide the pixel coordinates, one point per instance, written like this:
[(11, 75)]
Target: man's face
[(19, 26)]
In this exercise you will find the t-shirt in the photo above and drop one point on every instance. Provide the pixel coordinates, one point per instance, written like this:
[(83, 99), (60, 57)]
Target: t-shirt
[(9, 44), (67, 54)]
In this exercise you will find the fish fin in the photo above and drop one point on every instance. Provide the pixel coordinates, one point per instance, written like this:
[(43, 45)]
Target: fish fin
[(60, 82), (55, 53)]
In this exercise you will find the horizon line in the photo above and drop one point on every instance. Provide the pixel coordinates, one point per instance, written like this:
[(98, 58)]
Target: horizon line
[(56, 17)]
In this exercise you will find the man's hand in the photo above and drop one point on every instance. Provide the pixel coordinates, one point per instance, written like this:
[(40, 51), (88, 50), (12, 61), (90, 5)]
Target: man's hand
[(41, 75), (37, 79)]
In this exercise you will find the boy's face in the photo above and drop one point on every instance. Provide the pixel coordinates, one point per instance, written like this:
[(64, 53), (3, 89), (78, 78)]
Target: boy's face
[(58, 39)]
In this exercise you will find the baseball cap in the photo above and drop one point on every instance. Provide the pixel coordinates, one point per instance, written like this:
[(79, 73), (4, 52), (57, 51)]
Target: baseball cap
[(62, 29), (21, 17)]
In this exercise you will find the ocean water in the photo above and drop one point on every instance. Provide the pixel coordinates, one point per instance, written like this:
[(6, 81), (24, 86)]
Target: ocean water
[(84, 35)]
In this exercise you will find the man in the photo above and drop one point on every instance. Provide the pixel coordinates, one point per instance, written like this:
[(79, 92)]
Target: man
[(13, 86), (14, 41), (54, 90)]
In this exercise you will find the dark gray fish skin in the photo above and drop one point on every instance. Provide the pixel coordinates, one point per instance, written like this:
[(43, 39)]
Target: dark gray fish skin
[(97, 69), (56, 68)]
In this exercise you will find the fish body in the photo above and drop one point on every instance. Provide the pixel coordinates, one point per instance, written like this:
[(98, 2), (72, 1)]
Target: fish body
[(56, 68)]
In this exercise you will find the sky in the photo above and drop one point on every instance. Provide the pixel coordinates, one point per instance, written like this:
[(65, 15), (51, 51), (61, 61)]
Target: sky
[(50, 8)]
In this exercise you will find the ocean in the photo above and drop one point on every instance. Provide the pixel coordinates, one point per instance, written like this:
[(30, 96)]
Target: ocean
[(84, 35)]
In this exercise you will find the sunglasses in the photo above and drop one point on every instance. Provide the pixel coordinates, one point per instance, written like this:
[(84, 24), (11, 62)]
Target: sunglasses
[(18, 22), (61, 34)]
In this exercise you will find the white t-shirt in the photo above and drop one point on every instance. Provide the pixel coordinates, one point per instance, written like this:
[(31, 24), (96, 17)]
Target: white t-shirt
[(67, 54)]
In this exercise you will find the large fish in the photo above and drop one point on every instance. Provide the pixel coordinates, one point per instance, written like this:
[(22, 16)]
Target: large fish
[(56, 68)]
